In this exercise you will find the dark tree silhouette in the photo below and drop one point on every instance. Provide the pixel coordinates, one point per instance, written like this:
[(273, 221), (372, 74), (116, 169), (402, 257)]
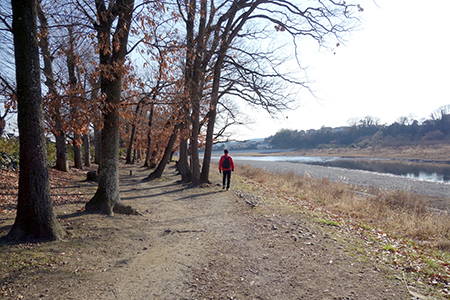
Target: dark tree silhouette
[(35, 217)]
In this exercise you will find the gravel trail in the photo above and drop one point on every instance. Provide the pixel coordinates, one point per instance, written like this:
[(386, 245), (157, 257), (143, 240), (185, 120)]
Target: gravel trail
[(362, 178)]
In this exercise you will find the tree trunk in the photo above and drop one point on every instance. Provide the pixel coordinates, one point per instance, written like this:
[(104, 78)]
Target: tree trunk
[(107, 200), (165, 159), (87, 148), (133, 134), (107, 195), (78, 162), (62, 162), (148, 155), (137, 155), (195, 161), (35, 218), (212, 115), (194, 78), (148, 152), (96, 123), (72, 97), (183, 162), (204, 177), (130, 145), (152, 163), (2, 124), (97, 145), (112, 57)]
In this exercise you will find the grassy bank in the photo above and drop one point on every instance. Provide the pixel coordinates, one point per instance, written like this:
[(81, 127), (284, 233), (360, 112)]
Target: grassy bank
[(390, 227), (437, 152), (396, 211)]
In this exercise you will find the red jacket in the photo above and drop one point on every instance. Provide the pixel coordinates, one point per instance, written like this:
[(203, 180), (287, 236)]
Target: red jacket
[(221, 163)]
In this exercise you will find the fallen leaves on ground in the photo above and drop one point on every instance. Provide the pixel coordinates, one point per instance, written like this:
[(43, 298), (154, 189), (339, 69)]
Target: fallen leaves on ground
[(63, 188), (9, 182)]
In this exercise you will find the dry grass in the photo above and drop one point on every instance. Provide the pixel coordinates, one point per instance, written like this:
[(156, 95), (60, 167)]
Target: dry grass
[(397, 212), (431, 151)]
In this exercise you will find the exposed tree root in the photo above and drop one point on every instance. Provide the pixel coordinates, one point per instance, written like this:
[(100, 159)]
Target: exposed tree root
[(43, 233), (120, 208), (150, 177)]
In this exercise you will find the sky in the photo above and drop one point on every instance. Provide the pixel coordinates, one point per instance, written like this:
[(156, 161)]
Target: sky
[(397, 64)]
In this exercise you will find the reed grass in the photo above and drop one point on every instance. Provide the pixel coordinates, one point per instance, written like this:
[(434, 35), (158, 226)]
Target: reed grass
[(398, 212), (431, 150)]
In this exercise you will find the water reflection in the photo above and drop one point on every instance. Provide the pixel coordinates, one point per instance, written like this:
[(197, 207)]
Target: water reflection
[(297, 159), (439, 172), (423, 171), (429, 176)]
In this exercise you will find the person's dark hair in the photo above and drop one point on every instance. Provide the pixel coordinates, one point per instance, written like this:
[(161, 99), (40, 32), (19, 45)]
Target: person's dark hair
[(225, 151)]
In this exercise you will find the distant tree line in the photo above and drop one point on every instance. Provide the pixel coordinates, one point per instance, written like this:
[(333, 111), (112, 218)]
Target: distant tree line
[(368, 132)]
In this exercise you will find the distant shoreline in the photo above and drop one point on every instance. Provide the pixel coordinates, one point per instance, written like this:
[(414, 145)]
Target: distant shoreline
[(433, 153)]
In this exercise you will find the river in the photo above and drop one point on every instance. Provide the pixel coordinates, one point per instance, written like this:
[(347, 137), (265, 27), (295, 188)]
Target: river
[(424, 178), (427, 171)]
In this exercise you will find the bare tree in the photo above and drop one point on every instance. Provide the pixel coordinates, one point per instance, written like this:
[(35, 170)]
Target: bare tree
[(406, 120), (57, 129), (441, 118), (228, 116), (7, 96), (440, 113), (66, 109), (7, 79), (213, 28)]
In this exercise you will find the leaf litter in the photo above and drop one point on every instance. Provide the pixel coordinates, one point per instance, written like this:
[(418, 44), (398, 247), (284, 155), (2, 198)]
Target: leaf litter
[(64, 188)]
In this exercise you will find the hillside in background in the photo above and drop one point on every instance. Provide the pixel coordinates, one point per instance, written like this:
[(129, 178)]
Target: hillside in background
[(367, 132)]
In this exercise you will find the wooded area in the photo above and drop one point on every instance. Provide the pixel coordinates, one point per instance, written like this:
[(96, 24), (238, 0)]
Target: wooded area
[(368, 132), (154, 76)]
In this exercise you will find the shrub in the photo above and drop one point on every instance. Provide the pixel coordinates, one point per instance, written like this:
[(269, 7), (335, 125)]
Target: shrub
[(10, 146), (9, 155), (51, 153), (434, 135), (9, 161)]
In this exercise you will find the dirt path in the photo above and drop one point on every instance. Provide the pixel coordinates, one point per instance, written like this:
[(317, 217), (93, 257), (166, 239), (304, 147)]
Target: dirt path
[(196, 243)]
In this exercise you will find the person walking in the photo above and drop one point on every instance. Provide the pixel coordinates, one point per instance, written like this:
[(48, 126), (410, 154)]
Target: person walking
[(226, 164)]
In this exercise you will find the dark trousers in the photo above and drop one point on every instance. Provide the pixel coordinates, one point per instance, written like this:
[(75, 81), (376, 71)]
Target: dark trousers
[(227, 178)]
